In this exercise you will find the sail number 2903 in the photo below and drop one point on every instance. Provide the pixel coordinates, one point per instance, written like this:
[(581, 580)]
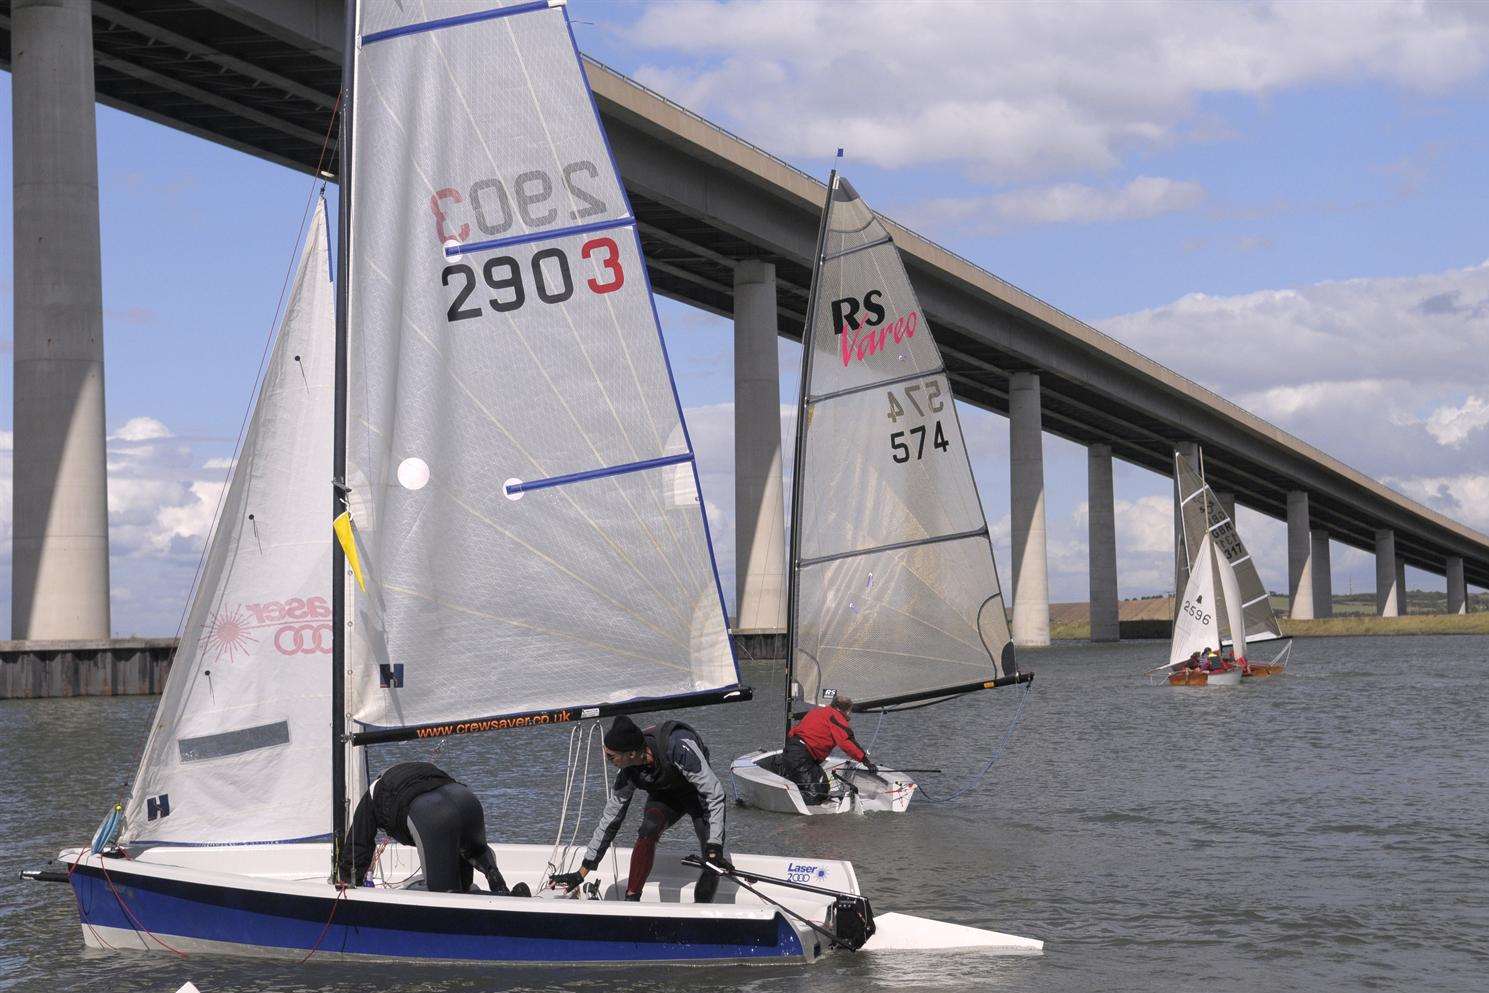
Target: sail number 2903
[(551, 279), (910, 444)]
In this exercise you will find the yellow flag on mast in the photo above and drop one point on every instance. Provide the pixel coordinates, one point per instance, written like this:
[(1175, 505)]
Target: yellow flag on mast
[(347, 535)]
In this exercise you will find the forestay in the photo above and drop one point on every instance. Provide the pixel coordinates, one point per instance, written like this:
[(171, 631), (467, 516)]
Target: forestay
[(522, 481), (896, 589), (240, 738), (1203, 514)]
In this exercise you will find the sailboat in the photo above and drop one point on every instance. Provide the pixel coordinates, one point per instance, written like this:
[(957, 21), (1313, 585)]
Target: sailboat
[(1243, 616), (894, 597), (519, 542)]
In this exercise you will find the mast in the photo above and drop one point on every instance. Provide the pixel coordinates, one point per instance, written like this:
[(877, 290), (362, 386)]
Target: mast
[(338, 463), (792, 592)]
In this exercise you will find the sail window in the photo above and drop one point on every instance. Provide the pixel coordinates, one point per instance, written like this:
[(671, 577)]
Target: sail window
[(216, 746), (413, 474)]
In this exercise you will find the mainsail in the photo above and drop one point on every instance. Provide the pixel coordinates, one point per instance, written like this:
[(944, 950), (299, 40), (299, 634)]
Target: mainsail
[(521, 479), (239, 740), (1203, 515), (895, 592)]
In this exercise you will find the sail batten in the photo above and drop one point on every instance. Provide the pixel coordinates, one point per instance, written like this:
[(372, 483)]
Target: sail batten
[(522, 478), (933, 539), (456, 251), (458, 20), (852, 390), (895, 594)]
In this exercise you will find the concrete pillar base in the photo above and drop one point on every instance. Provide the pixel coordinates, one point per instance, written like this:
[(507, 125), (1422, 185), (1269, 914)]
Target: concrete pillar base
[(1031, 588), (1101, 520), (1299, 557), (1323, 580), (1457, 588), (759, 500), (60, 570), (1387, 592)]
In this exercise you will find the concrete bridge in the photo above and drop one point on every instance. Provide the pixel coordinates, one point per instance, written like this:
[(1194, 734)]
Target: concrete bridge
[(726, 227)]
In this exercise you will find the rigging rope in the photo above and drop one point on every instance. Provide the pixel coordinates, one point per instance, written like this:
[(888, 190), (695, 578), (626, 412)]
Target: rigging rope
[(581, 737), (134, 921), (1018, 715)]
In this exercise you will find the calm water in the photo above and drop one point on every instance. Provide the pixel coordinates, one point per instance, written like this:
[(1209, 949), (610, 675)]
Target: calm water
[(1326, 830)]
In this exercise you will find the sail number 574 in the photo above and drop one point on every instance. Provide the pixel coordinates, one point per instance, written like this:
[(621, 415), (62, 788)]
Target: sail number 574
[(923, 398), (550, 278)]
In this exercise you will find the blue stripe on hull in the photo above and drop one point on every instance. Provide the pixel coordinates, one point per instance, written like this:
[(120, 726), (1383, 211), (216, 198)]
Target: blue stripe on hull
[(171, 908)]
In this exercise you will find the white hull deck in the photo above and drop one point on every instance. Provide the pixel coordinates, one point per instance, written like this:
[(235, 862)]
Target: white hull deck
[(276, 901), (854, 790)]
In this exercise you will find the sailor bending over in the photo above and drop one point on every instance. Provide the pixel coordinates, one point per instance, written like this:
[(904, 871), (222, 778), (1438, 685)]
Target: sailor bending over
[(670, 764), (812, 739), (422, 805)]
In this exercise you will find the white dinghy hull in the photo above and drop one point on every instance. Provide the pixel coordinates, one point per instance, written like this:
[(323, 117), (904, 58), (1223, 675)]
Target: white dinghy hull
[(275, 901), (854, 790)]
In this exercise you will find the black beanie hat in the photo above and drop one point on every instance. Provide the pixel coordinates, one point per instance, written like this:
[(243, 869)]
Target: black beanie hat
[(624, 736)]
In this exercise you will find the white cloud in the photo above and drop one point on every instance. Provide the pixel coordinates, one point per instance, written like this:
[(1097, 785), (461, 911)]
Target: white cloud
[(1011, 91), (141, 429), (1452, 425), (1146, 196), (1380, 372), (1463, 497)]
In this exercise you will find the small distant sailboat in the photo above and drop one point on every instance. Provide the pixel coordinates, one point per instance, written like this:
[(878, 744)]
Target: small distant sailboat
[(894, 594), (1241, 617)]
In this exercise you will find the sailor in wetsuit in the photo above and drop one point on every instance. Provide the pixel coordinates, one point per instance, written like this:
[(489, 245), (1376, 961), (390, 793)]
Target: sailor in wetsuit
[(422, 805), (812, 739), (670, 764)]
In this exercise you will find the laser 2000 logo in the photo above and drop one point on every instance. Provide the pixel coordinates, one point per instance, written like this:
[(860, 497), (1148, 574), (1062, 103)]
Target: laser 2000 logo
[(297, 626), (805, 872)]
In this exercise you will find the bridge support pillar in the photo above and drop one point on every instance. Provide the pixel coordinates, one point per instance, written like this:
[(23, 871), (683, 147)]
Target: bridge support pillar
[(1323, 579), (1102, 541), (1387, 593), (1190, 451), (1403, 607), (1031, 587), (1299, 557), (759, 504), (1457, 588), (60, 570)]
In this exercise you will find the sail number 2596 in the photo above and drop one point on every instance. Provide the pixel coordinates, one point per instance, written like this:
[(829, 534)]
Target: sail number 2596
[(550, 277), (910, 443)]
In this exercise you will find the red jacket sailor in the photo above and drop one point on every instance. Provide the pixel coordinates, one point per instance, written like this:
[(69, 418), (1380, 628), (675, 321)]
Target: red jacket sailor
[(812, 739)]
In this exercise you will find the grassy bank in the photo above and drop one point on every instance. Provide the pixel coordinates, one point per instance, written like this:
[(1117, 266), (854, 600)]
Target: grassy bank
[(1149, 618), (1335, 627)]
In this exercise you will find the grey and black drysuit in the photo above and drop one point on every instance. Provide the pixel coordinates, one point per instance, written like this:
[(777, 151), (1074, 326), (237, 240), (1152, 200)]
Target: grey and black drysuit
[(678, 782)]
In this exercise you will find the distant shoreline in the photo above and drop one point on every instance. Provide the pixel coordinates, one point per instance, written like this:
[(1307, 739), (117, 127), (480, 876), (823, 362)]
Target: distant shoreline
[(1149, 618)]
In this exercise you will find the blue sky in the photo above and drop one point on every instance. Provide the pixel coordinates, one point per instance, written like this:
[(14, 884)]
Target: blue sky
[(1295, 192)]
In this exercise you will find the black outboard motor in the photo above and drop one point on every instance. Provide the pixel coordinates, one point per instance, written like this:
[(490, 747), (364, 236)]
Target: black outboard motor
[(851, 921)]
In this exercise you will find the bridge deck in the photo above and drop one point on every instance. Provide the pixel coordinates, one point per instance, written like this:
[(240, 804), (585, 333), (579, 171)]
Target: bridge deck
[(262, 76)]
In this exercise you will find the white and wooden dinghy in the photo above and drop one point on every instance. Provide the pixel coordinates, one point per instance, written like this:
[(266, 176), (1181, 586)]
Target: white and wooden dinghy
[(1240, 617)]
